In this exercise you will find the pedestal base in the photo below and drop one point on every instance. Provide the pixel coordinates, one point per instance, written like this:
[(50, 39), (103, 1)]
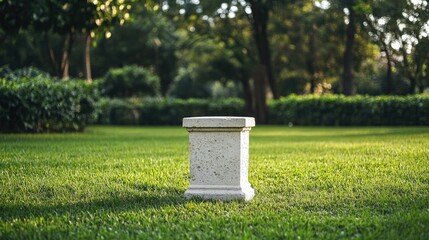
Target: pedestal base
[(220, 192)]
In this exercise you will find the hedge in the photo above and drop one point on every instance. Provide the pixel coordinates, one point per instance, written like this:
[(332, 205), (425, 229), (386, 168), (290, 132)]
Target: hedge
[(332, 110), (337, 110), (160, 111), (42, 104)]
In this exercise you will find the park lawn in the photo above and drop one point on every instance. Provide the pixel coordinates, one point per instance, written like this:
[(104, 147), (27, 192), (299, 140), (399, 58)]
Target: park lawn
[(128, 182)]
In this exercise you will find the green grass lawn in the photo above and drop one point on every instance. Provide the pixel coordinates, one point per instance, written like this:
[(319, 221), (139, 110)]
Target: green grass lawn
[(128, 182)]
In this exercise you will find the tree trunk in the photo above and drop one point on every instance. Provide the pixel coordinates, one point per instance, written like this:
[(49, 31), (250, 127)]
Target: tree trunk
[(64, 67), (67, 46), (413, 84), (310, 61), (259, 89), (418, 75), (260, 16), (247, 92), (348, 54), (422, 77), (88, 73), (389, 85), (412, 78), (421, 87), (52, 60), (248, 99)]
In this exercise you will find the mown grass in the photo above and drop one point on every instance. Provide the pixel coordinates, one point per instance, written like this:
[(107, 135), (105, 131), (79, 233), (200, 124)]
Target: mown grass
[(128, 182)]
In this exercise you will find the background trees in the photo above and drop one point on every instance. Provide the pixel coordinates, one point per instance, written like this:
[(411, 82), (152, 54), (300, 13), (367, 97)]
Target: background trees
[(53, 19), (254, 49)]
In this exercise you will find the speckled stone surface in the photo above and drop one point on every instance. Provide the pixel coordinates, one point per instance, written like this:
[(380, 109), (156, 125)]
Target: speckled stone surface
[(221, 122), (219, 156)]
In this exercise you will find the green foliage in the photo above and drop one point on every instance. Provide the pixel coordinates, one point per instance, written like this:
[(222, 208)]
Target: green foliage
[(119, 111), (213, 40), (29, 72), (129, 183), (186, 86), (130, 81), (43, 105), (371, 81), (350, 111), (158, 111), (226, 90), (14, 15), (67, 19), (149, 40), (297, 110)]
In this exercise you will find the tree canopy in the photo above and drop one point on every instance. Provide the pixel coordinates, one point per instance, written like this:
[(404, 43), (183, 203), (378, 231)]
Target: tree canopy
[(262, 48)]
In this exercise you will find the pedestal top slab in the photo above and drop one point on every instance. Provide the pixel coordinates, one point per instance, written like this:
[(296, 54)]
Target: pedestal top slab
[(218, 122)]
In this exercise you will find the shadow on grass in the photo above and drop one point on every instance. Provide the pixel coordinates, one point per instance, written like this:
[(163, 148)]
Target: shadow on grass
[(147, 197)]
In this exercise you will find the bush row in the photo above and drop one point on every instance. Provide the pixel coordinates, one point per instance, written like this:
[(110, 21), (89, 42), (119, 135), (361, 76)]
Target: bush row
[(338, 110), (42, 104), (160, 111), (297, 110)]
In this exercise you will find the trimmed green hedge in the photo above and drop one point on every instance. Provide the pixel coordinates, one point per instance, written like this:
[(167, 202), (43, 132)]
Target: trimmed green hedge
[(297, 110), (339, 110), (42, 104), (160, 111)]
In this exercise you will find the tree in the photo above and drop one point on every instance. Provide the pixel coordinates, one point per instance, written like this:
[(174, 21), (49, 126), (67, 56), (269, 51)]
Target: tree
[(233, 34), (379, 36), (63, 18), (150, 40), (232, 28), (411, 33), (353, 10), (400, 28), (308, 43), (257, 12), (259, 17), (15, 15), (347, 78), (99, 20), (67, 19)]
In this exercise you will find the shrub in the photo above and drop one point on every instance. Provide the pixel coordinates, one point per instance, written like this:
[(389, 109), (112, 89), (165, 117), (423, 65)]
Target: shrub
[(44, 105), (159, 111), (185, 86), (130, 81), (29, 72), (334, 110), (118, 112), (339, 110), (171, 111)]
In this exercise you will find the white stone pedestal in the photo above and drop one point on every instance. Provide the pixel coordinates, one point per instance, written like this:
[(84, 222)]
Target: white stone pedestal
[(219, 156)]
